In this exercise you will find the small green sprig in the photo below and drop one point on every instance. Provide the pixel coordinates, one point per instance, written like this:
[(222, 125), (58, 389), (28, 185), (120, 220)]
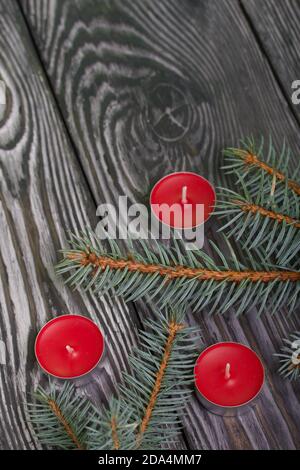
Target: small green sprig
[(60, 418), (114, 428), (290, 357), (265, 212), (256, 223), (253, 164), (152, 397)]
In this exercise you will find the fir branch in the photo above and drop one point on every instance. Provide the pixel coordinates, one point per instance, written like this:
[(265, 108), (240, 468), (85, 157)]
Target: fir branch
[(170, 272), (290, 357), (152, 397), (159, 384), (173, 329), (65, 424), (249, 161), (175, 277), (267, 210), (258, 224), (60, 418), (270, 214), (112, 428)]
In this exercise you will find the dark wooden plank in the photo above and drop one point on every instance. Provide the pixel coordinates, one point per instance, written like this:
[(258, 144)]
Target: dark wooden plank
[(149, 87), (276, 24), (43, 193)]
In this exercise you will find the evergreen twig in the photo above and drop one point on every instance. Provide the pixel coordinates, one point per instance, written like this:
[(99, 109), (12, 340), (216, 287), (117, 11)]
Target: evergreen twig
[(267, 210), (249, 161), (154, 392), (60, 418), (173, 329), (258, 224), (290, 357), (177, 277), (112, 428)]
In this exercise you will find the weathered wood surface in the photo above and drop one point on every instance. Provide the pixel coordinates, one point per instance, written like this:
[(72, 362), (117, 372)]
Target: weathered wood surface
[(145, 87), (43, 193), (276, 25)]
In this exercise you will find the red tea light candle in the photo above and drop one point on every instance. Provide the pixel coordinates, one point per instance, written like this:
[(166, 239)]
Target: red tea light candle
[(186, 190), (228, 377), (69, 346)]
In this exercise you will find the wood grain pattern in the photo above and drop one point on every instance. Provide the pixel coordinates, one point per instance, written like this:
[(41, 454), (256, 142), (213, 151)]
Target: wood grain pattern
[(148, 87), (276, 24), (43, 193)]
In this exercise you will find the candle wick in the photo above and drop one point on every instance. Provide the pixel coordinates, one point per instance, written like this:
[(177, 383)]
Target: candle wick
[(183, 195), (70, 349), (227, 371)]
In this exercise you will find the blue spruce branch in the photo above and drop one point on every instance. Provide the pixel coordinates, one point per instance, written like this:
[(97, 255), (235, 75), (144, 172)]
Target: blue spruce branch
[(178, 278), (290, 357)]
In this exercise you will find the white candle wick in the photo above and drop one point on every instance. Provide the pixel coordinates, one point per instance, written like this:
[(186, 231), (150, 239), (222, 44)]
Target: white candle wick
[(227, 371), (183, 195), (70, 349)]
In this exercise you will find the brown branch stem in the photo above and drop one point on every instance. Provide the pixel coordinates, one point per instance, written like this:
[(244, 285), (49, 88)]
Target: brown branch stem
[(174, 328), (68, 428), (173, 272), (251, 159), (114, 433), (254, 209)]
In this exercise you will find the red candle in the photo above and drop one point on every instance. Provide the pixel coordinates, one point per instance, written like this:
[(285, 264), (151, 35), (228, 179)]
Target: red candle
[(228, 375), (184, 191), (69, 346)]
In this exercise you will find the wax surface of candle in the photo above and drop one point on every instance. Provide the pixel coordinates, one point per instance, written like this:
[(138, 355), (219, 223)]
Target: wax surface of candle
[(185, 189), (229, 386), (69, 346)]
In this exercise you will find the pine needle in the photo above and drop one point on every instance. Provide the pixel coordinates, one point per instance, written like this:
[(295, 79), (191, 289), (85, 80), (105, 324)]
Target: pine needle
[(173, 329), (250, 161), (151, 399), (112, 428), (174, 277), (290, 357), (60, 418), (259, 223), (161, 379)]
